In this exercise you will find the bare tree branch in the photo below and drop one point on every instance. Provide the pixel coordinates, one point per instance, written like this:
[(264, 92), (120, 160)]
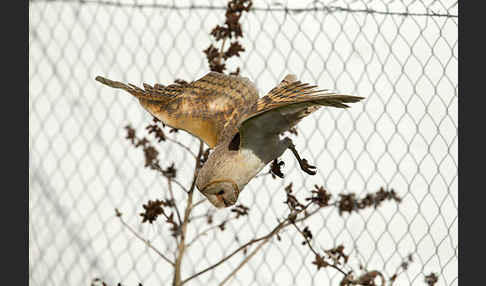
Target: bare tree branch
[(201, 234), (142, 239), (180, 185), (208, 230), (181, 246), (198, 203), (182, 145), (245, 260), (221, 51), (314, 251), (274, 231), (169, 183)]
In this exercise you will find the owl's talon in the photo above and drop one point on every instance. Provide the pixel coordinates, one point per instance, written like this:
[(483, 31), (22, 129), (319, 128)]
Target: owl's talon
[(304, 165), (275, 169), (307, 168)]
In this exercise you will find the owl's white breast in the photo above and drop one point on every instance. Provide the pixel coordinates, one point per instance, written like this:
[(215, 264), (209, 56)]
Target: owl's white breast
[(250, 166), (239, 166)]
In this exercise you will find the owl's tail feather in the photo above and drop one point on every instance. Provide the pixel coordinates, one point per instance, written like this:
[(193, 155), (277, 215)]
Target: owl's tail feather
[(156, 93)]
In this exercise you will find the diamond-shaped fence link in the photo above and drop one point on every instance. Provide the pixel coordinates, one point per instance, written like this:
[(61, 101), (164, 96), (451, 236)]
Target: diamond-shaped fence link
[(400, 55)]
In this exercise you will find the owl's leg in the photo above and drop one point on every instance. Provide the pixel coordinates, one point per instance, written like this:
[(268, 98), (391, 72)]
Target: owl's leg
[(304, 165)]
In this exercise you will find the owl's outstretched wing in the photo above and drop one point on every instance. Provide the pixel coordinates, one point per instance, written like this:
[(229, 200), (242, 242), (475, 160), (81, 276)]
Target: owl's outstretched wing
[(203, 107), (283, 107)]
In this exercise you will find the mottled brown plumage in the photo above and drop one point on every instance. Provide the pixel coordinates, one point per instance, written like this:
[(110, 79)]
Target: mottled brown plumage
[(242, 129), (204, 107)]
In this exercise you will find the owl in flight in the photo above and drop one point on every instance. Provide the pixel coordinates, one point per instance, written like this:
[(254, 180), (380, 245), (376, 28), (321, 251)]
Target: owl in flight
[(242, 129)]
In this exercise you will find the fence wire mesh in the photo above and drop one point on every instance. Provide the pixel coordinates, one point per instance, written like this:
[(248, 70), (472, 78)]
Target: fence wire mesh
[(400, 55)]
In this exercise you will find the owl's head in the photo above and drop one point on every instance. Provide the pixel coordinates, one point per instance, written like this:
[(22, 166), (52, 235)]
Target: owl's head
[(221, 193)]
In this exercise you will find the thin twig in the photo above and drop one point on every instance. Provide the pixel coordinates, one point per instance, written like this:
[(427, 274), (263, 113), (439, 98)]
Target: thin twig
[(180, 185), (183, 146), (145, 241), (198, 203), (208, 230), (220, 56), (169, 182), (315, 252), (308, 215), (306, 239), (201, 234), (245, 260), (193, 218)]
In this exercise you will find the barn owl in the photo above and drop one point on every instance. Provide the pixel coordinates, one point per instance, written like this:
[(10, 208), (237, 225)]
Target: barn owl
[(243, 130)]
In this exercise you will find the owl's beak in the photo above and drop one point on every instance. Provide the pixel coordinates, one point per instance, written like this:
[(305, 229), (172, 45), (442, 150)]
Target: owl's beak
[(226, 202), (218, 201)]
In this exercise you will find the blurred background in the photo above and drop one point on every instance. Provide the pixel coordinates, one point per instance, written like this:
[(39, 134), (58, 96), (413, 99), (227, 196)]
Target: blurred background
[(400, 55)]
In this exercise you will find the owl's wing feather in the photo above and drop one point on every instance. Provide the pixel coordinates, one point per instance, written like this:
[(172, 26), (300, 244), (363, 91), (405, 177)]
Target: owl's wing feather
[(284, 106), (150, 93), (203, 107), (296, 92)]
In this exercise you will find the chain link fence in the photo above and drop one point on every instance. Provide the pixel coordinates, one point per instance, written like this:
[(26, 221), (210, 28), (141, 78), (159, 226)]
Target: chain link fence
[(400, 55)]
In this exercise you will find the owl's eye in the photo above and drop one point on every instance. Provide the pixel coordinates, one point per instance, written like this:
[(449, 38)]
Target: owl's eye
[(221, 192)]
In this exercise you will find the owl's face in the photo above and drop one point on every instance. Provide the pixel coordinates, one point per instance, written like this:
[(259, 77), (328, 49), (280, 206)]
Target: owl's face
[(221, 193)]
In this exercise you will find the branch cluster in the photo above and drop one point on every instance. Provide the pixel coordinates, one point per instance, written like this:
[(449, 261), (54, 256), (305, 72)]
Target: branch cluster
[(151, 154), (335, 257), (349, 202), (431, 279), (231, 29)]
